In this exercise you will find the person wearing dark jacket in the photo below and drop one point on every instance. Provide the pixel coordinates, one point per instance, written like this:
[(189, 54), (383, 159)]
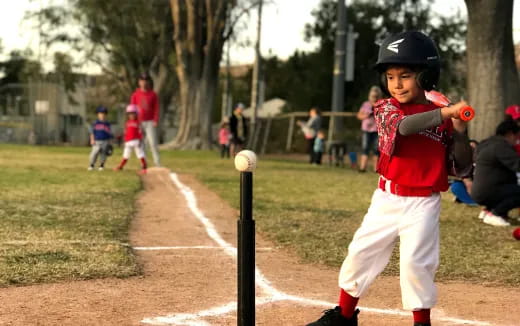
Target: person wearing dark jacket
[(238, 128), (495, 184), (310, 131)]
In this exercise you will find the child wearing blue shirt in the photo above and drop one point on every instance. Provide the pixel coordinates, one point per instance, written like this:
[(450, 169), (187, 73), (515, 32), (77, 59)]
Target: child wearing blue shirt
[(100, 138)]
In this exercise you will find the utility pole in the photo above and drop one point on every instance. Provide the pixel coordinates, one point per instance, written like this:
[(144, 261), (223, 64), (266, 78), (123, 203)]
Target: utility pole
[(338, 79), (256, 77), (226, 92)]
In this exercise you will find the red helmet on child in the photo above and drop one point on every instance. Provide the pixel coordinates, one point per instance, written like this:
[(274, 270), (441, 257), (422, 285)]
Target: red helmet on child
[(132, 108), (513, 111)]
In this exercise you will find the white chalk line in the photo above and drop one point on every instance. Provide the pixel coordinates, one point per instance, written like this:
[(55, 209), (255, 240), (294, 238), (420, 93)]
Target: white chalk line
[(273, 295), (62, 242), (190, 247)]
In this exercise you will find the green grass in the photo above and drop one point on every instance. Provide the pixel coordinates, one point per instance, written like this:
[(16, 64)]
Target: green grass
[(316, 210), (58, 221)]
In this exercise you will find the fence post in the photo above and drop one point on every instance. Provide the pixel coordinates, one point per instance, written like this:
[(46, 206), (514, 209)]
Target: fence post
[(330, 136), (266, 135), (290, 134)]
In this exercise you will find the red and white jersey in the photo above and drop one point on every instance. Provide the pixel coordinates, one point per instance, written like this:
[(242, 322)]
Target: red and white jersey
[(418, 160), (133, 130)]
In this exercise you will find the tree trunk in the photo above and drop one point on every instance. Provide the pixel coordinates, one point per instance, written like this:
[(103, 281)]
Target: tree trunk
[(493, 82), (163, 86), (199, 28), (213, 54)]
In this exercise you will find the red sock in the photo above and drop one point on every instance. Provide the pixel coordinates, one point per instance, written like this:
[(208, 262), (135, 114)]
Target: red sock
[(143, 163), (422, 316), (123, 162), (347, 303)]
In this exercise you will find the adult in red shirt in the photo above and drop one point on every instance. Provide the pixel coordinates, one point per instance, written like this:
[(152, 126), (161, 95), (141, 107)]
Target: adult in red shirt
[(148, 104)]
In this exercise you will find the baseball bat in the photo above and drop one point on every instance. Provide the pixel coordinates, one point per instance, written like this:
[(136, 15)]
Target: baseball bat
[(466, 114)]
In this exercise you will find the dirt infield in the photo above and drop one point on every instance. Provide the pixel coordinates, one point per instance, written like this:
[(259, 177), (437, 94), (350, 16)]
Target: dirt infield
[(189, 277)]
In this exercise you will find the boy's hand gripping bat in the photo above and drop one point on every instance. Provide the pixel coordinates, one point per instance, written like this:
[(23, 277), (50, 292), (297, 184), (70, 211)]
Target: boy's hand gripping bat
[(466, 114)]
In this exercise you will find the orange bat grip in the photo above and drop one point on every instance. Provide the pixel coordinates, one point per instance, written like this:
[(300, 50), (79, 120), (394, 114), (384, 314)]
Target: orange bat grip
[(467, 113)]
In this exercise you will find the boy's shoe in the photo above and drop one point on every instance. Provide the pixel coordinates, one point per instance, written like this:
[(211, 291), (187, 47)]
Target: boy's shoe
[(101, 168), (90, 168), (333, 317), (495, 220), (482, 214), (421, 324)]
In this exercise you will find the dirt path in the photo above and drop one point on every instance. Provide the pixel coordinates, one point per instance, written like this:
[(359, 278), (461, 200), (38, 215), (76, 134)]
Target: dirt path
[(195, 275)]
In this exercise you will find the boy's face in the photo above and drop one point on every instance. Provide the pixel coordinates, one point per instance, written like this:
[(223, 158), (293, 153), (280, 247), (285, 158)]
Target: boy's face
[(403, 86), (101, 116), (132, 116)]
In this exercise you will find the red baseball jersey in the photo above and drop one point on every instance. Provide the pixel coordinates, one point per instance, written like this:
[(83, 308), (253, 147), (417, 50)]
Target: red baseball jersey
[(132, 130), (418, 160), (147, 103)]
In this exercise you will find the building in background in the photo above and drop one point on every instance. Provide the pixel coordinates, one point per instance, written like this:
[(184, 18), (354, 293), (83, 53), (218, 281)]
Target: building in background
[(42, 113)]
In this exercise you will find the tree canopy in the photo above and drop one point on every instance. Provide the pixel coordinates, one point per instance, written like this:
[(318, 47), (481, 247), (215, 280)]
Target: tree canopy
[(305, 78), (123, 38), (18, 67)]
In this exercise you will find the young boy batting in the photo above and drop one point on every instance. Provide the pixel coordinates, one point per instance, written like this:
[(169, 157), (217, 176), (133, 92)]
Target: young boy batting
[(419, 145)]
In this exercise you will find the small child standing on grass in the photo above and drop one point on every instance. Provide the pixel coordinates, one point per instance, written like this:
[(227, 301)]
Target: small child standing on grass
[(419, 145), (133, 139), (224, 136), (99, 139), (318, 147)]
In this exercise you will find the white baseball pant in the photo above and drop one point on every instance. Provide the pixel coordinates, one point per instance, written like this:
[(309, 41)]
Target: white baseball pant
[(135, 145), (415, 220), (150, 133)]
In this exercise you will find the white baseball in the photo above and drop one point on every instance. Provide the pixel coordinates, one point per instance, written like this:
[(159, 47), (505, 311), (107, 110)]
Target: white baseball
[(245, 161)]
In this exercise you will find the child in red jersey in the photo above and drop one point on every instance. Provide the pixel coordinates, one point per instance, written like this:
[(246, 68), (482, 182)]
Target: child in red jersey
[(133, 139), (419, 145)]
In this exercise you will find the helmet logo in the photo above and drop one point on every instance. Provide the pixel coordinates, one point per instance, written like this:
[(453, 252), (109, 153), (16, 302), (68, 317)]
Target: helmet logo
[(394, 46)]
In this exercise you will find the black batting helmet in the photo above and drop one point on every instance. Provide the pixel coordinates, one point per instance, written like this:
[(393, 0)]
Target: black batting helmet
[(411, 48)]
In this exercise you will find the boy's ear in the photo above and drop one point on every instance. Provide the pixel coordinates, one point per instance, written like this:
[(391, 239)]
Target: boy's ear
[(427, 79), (384, 84)]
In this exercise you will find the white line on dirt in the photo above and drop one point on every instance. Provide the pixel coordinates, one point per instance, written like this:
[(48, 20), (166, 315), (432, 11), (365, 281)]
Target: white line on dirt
[(192, 247), (61, 242), (273, 295)]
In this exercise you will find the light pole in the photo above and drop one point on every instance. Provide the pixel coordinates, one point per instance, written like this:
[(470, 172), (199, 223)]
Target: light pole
[(338, 79), (256, 77)]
